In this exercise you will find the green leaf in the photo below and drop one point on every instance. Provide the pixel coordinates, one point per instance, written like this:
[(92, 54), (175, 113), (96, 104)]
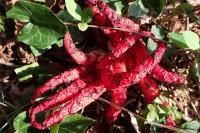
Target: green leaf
[(192, 126), (155, 5), (75, 33), (151, 107), (37, 36), (37, 52), (86, 17), (19, 125), (107, 1), (188, 10), (83, 26), (54, 128), (43, 28), (65, 16), (158, 32), (138, 10), (75, 124), (117, 5), (185, 39), (74, 9), (25, 72), (152, 116), (1, 25), (173, 111), (153, 113), (60, 43), (161, 110), (194, 70), (40, 0)]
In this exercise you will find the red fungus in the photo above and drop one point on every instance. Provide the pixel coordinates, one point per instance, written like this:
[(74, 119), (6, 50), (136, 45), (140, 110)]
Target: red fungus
[(128, 64)]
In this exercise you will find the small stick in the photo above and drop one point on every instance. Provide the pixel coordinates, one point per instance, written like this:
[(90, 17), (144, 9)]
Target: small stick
[(150, 122), (120, 29)]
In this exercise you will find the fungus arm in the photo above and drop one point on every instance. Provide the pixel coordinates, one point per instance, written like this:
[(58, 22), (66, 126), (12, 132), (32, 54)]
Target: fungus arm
[(118, 96), (65, 77), (163, 75), (75, 53), (79, 101)]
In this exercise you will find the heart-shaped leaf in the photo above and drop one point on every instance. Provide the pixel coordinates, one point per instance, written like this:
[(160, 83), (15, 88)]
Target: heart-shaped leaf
[(158, 32), (86, 17), (19, 125), (138, 10), (191, 126), (74, 9), (75, 124), (43, 28), (185, 39)]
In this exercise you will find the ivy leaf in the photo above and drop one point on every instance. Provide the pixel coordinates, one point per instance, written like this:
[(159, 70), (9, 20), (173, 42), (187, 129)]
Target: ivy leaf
[(19, 124), (191, 126), (38, 36), (158, 32), (75, 124), (75, 33), (155, 5), (43, 28), (138, 10), (185, 39), (86, 17), (74, 9), (83, 26)]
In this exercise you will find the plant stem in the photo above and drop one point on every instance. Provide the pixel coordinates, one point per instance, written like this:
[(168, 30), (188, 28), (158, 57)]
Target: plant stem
[(120, 29), (140, 117)]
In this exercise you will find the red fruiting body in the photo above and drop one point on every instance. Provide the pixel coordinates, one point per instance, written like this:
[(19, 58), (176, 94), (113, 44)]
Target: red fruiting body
[(170, 121), (128, 64), (165, 103)]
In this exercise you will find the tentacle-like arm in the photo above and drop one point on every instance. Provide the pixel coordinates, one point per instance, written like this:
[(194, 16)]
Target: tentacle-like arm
[(166, 76), (115, 19), (65, 77), (117, 52), (118, 96), (80, 57), (119, 82), (149, 88), (140, 72), (61, 97), (80, 101), (57, 99), (161, 74), (76, 54)]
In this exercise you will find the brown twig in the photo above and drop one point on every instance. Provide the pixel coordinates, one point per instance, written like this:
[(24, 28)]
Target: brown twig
[(120, 29), (140, 117)]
